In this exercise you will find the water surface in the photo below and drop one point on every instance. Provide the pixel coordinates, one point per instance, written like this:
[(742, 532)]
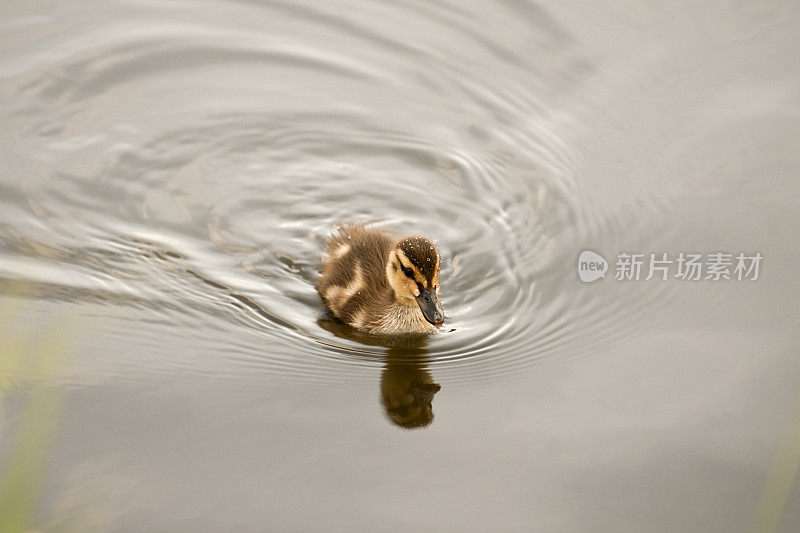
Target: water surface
[(169, 172)]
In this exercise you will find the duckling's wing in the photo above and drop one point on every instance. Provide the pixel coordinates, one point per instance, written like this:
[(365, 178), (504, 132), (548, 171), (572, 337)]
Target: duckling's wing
[(352, 273)]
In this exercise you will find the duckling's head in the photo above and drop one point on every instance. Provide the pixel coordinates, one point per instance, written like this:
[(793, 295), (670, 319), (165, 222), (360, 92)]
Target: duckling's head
[(413, 273)]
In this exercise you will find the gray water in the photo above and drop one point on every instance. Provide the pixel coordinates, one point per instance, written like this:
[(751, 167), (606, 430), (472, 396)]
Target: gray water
[(169, 172)]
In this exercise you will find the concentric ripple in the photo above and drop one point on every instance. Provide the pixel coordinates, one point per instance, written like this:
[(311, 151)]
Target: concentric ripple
[(183, 176)]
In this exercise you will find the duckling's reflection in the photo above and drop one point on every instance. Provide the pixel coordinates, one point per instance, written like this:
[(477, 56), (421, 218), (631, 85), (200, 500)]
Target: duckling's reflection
[(407, 390), (407, 387)]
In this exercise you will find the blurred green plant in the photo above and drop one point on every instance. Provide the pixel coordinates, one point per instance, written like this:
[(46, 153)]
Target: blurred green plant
[(780, 478), (29, 367)]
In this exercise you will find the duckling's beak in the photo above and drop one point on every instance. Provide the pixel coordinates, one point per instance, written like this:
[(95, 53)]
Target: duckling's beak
[(424, 392), (431, 309)]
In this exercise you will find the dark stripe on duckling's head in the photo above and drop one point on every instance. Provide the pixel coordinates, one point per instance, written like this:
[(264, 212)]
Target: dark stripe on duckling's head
[(422, 253)]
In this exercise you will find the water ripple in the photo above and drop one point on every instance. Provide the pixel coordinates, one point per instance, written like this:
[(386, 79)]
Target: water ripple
[(191, 172)]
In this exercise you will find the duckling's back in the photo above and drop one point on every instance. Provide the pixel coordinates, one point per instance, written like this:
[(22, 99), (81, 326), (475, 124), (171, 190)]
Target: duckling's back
[(353, 280)]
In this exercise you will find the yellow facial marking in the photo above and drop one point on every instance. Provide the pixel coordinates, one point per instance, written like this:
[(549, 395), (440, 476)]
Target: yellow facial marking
[(406, 263)]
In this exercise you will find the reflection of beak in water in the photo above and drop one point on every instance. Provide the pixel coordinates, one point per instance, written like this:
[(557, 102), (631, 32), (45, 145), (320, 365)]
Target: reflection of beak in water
[(407, 388)]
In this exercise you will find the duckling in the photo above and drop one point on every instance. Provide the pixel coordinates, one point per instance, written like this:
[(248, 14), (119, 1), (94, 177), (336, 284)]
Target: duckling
[(378, 283)]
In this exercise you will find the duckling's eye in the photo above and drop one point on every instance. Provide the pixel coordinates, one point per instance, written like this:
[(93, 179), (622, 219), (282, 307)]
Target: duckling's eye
[(408, 272)]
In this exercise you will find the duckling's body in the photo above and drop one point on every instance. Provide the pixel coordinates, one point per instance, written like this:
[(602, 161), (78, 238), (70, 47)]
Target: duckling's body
[(378, 283)]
